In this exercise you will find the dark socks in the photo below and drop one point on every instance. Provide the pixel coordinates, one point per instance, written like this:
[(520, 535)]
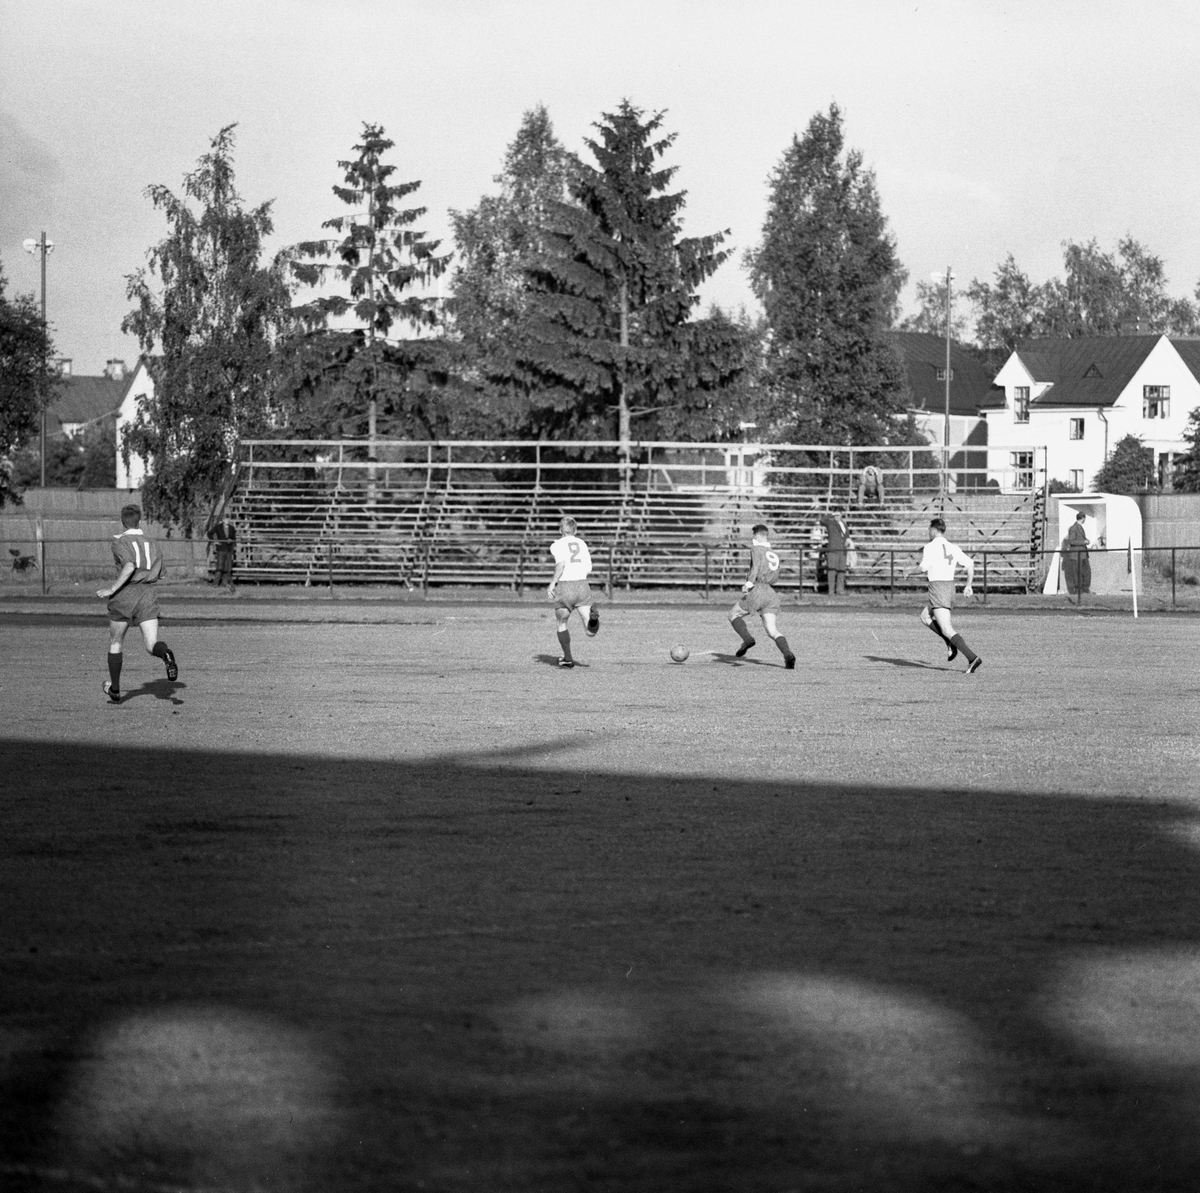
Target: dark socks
[(937, 629), (564, 642), (114, 669), (739, 624), (963, 649), (160, 650), (784, 648)]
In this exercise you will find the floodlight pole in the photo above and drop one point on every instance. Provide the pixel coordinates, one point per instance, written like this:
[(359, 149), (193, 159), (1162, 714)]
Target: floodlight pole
[(949, 278), (42, 246)]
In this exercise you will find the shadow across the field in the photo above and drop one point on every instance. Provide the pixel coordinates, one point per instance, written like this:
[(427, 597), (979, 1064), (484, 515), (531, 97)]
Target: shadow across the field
[(524, 975)]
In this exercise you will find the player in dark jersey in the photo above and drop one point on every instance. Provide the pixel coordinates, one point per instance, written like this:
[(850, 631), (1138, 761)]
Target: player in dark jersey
[(132, 599), (758, 596)]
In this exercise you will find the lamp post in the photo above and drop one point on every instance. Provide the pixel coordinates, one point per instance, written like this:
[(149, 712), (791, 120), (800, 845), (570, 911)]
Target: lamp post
[(946, 279), (43, 247)]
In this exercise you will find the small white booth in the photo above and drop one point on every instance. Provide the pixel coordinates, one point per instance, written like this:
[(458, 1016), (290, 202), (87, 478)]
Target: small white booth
[(1112, 524)]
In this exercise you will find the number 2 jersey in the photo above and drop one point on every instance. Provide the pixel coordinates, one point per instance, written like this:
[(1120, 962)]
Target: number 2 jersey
[(573, 554), (940, 557), (134, 547)]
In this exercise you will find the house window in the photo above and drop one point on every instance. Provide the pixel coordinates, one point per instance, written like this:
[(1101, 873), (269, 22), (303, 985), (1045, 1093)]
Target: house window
[(1076, 428), (1156, 401), (1020, 403), (941, 374), (1076, 475), (1022, 465)]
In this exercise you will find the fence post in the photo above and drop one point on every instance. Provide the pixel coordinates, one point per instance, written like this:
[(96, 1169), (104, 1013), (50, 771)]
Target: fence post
[(521, 569), (41, 550), (800, 583), (330, 562), (985, 555), (612, 592), (892, 575), (706, 571), (425, 572), (1172, 577)]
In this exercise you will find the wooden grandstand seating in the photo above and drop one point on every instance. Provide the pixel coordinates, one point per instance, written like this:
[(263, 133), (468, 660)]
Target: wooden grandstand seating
[(430, 523)]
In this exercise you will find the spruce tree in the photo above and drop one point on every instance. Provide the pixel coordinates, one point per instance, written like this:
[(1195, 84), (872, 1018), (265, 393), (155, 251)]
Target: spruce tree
[(827, 275), (497, 242), (607, 337), (349, 374)]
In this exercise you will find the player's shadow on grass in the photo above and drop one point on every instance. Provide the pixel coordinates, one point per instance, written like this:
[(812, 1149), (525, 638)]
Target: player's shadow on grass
[(551, 660), (918, 663), (160, 689), (732, 661)]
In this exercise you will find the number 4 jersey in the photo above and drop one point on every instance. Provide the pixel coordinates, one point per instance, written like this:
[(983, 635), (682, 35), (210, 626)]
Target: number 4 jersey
[(940, 558)]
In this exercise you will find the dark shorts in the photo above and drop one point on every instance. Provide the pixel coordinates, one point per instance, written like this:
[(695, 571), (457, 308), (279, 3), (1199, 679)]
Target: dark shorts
[(941, 594), (570, 594), (762, 598), (134, 603)]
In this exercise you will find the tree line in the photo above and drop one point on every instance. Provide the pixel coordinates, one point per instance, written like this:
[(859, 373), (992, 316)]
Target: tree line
[(571, 310), (571, 314)]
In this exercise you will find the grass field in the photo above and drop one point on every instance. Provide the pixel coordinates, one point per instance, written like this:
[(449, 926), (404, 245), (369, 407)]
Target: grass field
[(403, 906)]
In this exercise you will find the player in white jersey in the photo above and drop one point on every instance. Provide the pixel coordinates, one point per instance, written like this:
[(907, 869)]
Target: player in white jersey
[(569, 589), (940, 559)]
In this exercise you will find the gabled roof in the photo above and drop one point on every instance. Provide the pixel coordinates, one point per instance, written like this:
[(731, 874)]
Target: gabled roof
[(1088, 371), (1189, 352), (87, 399), (923, 355)]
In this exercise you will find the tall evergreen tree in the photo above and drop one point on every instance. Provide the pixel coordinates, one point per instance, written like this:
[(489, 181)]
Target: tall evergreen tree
[(828, 277), (379, 256), (208, 317), (25, 385), (608, 336), (497, 242)]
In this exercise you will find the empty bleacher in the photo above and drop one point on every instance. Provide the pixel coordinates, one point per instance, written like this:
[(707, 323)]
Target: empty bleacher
[(443, 514)]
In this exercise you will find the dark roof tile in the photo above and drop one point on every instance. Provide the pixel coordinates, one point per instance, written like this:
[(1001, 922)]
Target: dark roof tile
[(924, 354), (1088, 371)]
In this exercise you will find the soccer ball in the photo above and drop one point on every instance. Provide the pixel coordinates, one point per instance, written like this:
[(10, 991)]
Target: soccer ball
[(679, 653)]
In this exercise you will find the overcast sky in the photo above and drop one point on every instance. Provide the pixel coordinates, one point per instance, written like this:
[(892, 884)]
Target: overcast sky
[(991, 127)]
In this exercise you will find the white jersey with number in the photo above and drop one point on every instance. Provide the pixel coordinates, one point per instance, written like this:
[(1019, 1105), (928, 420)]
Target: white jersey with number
[(941, 557), (572, 553)]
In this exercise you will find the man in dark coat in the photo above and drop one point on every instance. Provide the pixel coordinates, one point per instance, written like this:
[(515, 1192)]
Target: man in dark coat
[(835, 552), (224, 538)]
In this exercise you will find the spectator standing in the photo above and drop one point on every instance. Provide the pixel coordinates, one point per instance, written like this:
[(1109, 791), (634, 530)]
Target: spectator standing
[(836, 533), (223, 536)]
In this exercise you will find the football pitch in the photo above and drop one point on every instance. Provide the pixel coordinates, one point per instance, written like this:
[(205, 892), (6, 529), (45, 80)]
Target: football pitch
[(381, 898)]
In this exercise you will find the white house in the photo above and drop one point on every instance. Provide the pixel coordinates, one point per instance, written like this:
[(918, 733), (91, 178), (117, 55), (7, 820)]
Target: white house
[(140, 387), (1076, 399)]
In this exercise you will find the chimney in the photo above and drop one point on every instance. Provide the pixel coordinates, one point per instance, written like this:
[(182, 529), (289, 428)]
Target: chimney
[(114, 370), (64, 366)]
